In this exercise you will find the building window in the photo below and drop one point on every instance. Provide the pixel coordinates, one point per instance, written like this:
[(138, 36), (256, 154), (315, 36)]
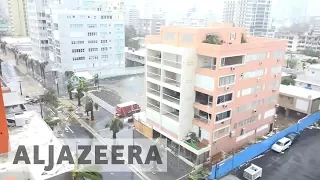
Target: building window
[(78, 58), (274, 84), (256, 57), (226, 80), (249, 106), (224, 98), (221, 132), (93, 49), (103, 33), (223, 116), (76, 25), (77, 50), (104, 56), (187, 38), (93, 57), (93, 41), (232, 36), (77, 42), (104, 41), (92, 26), (271, 100), (252, 90), (169, 36), (92, 33), (253, 74), (275, 70), (247, 121), (104, 49), (278, 54)]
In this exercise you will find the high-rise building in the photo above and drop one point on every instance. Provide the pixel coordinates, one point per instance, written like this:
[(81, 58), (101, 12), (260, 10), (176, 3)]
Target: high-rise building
[(18, 17), (211, 97), (254, 15), (294, 10), (85, 40), (132, 16), (150, 26)]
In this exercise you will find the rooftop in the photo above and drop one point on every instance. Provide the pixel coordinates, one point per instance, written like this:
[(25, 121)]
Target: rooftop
[(308, 79), (35, 132), (299, 92), (314, 66), (12, 99), (139, 52), (16, 40)]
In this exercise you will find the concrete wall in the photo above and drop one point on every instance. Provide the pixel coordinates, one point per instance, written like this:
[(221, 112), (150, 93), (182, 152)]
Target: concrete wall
[(315, 106)]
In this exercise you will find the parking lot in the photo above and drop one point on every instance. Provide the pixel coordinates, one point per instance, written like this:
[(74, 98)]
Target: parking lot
[(300, 162)]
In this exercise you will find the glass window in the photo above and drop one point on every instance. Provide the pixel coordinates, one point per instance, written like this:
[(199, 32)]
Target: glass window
[(223, 115), (226, 80)]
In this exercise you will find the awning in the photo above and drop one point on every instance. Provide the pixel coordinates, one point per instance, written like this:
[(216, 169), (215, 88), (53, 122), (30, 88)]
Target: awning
[(12, 99)]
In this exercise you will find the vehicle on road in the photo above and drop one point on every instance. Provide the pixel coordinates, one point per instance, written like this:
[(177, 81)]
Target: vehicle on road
[(127, 109), (281, 145), (293, 137)]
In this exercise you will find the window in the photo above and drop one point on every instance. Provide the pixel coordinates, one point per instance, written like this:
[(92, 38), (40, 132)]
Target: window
[(169, 36), (92, 33), (77, 42), (78, 58), (93, 57), (223, 116), (76, 25), (274, 84), (104, 56), (77, 50), (232, 36), (247, 121), (226, 80), (224, 98), (187, 38), (104, 41), (252, 90), (93, 41), (221, 132), (104, 49), (92, 26), (271, 100), (253, 74), (249, 106), (255, 57), (93, 49), (278, 54), (276, 69)]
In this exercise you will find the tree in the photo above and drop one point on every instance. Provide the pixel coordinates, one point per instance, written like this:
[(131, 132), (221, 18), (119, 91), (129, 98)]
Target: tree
[(310, 52), (96, 80), (50, 98), (69, 74), (89, 107), (70, 88), (42, 69), (52, 123), (130, 32), (288, 81), (115, 126), (134, 44), (3, 47), (314, 61), (243, 39), (212, 39), (88, 173), (81, 87), (292, 64)]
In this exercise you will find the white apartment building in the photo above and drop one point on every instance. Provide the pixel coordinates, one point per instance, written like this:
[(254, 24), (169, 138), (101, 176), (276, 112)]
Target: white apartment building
[(132, 16), (253, 14), (18, 17), (85, 40), (190, 22), (299, 42)]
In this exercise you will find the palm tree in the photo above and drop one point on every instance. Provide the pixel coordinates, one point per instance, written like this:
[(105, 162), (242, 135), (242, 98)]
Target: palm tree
[(79, 94), (84, 175), (115, 126), (42, 69), (25, 58), (96, 80), (70, 88), (50, 98), (69, 74), (212, 39), (52, 123), (89, 107), (3, 47)]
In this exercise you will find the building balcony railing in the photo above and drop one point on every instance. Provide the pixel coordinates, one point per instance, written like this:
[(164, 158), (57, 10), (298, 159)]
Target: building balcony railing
[(154, 59), (201, 119), (172, 82), (172, 63), (171, 115), (153, 107), (171, 99), (154, 76), (153, 91)]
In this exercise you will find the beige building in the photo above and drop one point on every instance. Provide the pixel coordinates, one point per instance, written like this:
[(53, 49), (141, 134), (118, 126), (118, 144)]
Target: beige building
[(18, 17)]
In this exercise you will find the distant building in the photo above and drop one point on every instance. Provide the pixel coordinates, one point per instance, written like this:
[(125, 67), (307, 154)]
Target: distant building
[(4, 27), (18, 17), (191, 22), (132, 16), (310, 79), (254, 15), (150, 26)]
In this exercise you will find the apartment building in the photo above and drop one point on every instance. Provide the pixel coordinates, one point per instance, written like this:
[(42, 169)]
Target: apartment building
[(190, 22), (18, 17), (132, 16), (298, 42), (253, 14), (207, 98), (150, 26), (85, 40)]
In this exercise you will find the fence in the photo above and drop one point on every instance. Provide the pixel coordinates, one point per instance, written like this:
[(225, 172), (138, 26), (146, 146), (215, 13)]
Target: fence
[(244, 156)]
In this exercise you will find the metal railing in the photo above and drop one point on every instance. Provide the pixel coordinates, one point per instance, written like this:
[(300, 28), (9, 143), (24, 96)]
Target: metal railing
[(153, 107), (154, 59), (170, 63), (172, 81), (171, 99), (153, 91), (171, 115), (154, 75), (201, 118)]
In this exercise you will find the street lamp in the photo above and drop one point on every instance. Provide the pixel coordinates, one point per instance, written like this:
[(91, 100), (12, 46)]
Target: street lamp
[(57, 83), (20, 87)]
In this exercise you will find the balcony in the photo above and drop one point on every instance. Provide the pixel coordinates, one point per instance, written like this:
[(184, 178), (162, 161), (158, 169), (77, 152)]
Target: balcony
[(154, 59), (202, 116), (153, 104), (171, 97), (154, 73), (207, 62), (153, 90), (203, 99), (170, 112), (172, 60), (154, 56), (232, 61), (172, 78)]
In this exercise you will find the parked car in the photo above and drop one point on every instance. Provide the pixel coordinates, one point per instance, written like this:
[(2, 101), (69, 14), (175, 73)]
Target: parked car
[(281, 145), (293, 137), (127, 109)]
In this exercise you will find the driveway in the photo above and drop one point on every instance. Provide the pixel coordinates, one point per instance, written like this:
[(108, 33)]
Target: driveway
[(300, 162)]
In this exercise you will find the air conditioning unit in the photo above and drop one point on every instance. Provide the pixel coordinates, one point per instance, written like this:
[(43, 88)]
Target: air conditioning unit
[(274, 90), (232, 68), (232, 133), (226, 88), (254, 111), (275, 116), (277, 105), (224, 106), (276, 75), (260, 63), (258, 79), (241, 75)]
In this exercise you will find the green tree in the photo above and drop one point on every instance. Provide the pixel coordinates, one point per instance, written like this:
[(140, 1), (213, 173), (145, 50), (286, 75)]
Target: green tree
[(81, 87), (115, 125), (42, 69), (310, 52), (88, 173), (96, 80), (243, 39), (292, 63), (89, 107), (134, 44), (212, 39), (314, 61), (70, 88), (50, 98), (288, 81), (69, 74), (130, 32), (52, 123)]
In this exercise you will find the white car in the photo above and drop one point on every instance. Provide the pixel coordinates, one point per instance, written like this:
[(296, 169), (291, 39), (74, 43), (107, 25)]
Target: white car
[(281, 145)]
